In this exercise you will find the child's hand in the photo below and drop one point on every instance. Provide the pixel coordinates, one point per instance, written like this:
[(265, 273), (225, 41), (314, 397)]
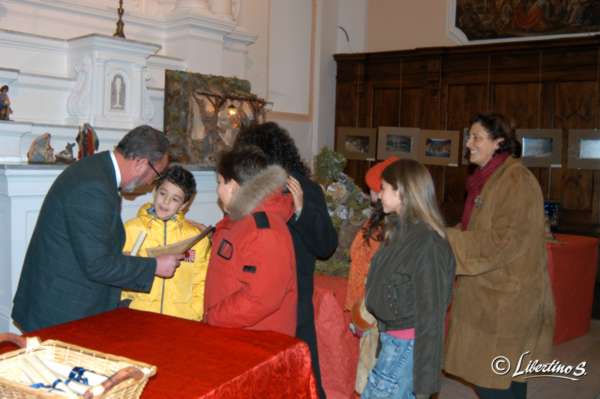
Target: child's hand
[(297, 193)]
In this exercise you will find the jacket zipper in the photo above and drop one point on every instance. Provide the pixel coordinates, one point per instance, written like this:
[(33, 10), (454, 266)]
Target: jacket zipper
[(162, 294)]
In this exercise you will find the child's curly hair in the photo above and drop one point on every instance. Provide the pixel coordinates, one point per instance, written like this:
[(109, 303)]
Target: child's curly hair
[(180, 177)]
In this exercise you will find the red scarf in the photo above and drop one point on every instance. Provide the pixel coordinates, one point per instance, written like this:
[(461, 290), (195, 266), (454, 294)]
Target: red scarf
[(475, 184)]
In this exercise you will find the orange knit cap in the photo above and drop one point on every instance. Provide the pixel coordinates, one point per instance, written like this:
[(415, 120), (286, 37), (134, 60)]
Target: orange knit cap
[(373, 176)]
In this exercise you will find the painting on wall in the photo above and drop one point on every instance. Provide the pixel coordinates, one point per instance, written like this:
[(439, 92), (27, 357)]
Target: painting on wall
[(500, 19), (439, 147), (584, 149), (204, 113), (357, 142), (401, 142), (540, 147)]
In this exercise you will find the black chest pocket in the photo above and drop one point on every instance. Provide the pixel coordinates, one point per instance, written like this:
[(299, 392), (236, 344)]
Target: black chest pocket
[(225, 250)]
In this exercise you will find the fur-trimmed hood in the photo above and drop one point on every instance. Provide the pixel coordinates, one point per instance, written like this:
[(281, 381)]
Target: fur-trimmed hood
[(253, 192)]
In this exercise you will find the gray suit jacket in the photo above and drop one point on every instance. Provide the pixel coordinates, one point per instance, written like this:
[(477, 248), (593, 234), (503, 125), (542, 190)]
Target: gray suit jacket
[(74, 267)]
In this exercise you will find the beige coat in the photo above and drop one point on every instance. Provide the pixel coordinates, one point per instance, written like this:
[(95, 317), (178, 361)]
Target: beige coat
[(502, 303)]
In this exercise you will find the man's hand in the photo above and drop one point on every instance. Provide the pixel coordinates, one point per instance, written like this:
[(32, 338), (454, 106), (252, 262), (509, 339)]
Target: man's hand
[(297, 193), (167, 264)]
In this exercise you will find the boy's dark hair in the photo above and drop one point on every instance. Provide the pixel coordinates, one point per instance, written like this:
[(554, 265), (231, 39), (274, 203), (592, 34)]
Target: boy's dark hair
[(180, 177), (241, 163), (144, 142), (5, 87)]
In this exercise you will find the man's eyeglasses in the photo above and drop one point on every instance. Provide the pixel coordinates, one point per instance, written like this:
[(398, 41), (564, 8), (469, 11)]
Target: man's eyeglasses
[(158, 175)]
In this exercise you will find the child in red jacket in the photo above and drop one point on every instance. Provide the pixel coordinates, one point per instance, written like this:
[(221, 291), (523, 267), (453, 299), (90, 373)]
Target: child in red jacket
[(251, 279)]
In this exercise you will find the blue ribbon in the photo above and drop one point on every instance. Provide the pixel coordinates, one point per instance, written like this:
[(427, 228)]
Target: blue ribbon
[(53, 386), (76, 375)]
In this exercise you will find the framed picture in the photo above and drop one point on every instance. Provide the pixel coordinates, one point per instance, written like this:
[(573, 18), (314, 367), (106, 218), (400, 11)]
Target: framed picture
[(357, 142), (484, 21), (439, 147), (398, 141), (584, 149), (540, 147)]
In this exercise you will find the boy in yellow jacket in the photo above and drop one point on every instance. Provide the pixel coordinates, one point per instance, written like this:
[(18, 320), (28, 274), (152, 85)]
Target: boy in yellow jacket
[(164, 223)]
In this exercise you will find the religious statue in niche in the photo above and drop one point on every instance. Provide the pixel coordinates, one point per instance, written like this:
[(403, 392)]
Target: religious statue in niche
[(117, 92), (87, 141), (40, 150), (203, 114), (5, 109)]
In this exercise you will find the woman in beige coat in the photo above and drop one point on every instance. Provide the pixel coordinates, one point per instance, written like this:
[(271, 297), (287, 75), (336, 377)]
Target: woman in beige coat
[(502, 303)]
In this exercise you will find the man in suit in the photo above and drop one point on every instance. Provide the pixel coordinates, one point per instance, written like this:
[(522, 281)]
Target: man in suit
[(74, 266)]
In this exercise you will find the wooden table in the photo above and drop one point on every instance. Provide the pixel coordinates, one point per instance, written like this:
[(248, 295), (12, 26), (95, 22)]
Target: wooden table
[(195, 360)]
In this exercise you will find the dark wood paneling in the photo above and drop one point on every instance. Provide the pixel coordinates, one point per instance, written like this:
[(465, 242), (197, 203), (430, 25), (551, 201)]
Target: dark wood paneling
[(539, 84), (386, 107)]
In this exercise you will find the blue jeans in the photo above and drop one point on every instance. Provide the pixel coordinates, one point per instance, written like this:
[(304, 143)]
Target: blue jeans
[(392, 376)]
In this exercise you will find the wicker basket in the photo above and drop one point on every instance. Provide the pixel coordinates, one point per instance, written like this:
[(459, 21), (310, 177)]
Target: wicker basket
[(119, 386)]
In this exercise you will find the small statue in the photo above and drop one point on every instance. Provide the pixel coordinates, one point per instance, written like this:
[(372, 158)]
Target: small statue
[(66, 155), (87, 141), (40, 150), (5, 109)]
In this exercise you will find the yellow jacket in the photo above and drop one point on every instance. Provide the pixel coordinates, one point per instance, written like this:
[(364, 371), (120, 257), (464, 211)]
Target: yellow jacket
[(183, 294)]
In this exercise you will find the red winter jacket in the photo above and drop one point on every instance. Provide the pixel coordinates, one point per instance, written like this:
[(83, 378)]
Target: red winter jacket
[(251, 278)]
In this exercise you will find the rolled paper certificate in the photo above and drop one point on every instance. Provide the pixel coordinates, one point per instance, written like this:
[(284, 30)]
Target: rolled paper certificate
[(138, 243), (45, 377), (80, 375)]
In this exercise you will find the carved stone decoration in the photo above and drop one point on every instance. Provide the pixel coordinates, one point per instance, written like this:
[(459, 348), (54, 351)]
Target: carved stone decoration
[(147, 107), (221, 8), (78, 103), (236, 5), (192, 6)]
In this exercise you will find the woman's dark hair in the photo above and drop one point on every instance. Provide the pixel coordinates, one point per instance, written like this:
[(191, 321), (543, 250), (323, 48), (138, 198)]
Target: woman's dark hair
[(241, 163), (499, 127), (5, 87), (276, 144), (373, 229), (180, 177)]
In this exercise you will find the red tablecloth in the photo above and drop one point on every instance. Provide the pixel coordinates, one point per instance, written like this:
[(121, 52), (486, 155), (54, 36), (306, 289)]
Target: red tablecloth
[(195, 360), (572, 265), (338, 348)]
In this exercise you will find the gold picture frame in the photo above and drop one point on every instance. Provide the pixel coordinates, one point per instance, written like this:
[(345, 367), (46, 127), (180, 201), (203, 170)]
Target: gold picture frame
[(584, 149), (357, 142), (402, 142), (540, 147), (439, 147)]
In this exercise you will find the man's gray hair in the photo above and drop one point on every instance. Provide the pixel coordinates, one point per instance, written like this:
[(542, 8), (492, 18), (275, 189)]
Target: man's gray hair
[(144, 142)]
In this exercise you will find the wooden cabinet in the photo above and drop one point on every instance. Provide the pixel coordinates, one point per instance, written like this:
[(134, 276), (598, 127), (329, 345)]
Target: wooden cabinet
[(540, 84)]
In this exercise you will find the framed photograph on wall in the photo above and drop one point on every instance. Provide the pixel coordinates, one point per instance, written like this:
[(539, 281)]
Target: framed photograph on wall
[(439, 147), (357, 142), (584, 149), (540, 147), (402, 142)]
